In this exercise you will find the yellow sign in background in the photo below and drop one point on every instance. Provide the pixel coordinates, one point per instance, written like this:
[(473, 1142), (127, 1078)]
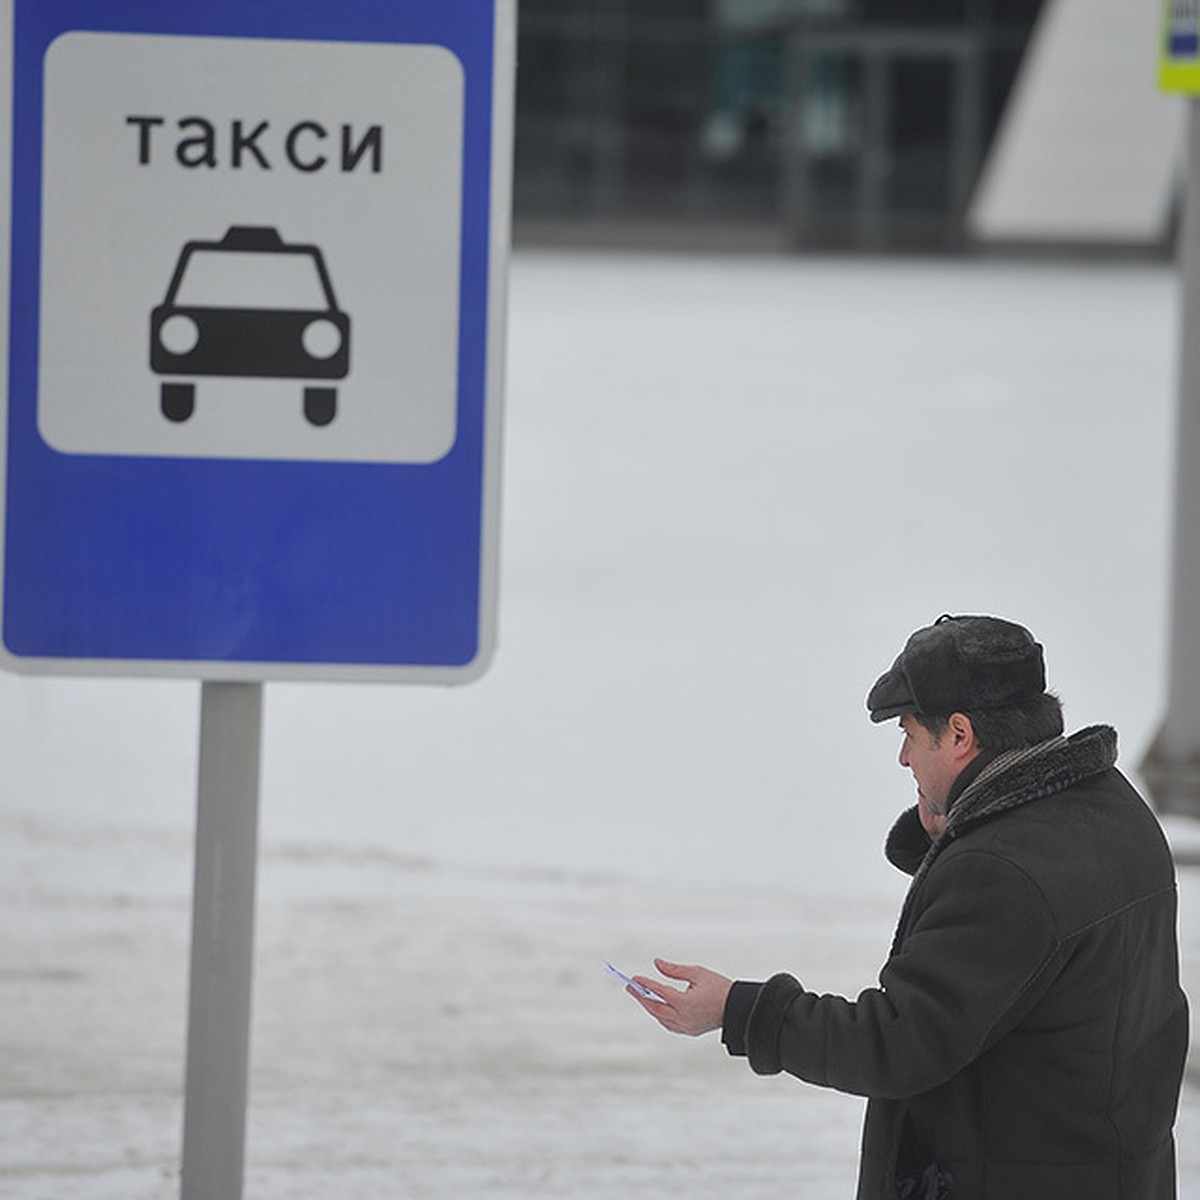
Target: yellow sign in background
[(1179, 47)]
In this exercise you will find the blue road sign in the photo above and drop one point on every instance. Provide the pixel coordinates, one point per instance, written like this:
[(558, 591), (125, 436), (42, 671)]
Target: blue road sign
[(255, 320)]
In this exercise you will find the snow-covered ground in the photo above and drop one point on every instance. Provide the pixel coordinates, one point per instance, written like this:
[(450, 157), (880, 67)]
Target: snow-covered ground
[(733, 486)]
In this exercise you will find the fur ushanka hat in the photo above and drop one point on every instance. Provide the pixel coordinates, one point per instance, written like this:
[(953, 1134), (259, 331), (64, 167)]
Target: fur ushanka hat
[(960, 664)]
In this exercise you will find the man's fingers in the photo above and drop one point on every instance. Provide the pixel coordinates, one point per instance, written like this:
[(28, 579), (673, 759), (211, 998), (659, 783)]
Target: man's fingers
[(658, 1009), (665, 1010), (676, 971), (692, 1010), (665, 1014), (657, 987)]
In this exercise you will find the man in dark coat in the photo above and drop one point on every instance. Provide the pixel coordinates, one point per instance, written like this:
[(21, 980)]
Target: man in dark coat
[(1028, 1034)]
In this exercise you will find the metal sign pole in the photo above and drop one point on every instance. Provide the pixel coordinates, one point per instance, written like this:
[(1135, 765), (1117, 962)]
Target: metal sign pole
[(218, 1044)]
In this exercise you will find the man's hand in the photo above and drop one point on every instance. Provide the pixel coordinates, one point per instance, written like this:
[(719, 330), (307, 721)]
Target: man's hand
[(697, 1009)]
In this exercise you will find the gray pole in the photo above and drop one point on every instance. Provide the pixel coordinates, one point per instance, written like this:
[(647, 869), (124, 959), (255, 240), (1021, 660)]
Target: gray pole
[(218, 1045), (1171, 769)]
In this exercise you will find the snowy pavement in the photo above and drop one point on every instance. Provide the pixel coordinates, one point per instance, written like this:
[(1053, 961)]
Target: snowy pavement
[(732, 487)]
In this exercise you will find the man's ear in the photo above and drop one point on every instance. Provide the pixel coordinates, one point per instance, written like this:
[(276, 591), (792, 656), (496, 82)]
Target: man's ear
[(962, 733)]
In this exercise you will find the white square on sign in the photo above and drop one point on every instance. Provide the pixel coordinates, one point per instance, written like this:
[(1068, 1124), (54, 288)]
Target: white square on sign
[(250, 248)]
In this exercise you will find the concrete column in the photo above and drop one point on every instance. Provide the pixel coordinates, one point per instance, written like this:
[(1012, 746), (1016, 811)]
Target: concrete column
[(1171, 769)]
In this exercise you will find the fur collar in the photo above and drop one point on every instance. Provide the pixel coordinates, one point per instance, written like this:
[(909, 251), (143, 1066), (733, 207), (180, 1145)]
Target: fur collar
[(1020, 776), (1009, 780)]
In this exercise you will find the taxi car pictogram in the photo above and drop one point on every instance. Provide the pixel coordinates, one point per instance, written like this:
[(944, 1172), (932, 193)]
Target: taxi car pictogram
[(253, 306)]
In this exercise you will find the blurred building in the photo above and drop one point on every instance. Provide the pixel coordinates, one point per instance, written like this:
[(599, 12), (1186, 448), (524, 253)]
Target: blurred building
[(816, 124)]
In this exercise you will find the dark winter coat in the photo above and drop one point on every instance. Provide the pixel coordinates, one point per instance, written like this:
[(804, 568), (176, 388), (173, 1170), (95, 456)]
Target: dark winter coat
[(1028, 1036)]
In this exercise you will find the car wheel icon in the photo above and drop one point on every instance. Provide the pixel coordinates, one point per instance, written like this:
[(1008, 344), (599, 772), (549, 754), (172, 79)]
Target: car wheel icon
[(320, 405), (178, 400), (250, 306)]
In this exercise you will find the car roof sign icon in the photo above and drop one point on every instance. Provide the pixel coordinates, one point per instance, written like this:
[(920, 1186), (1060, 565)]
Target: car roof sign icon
[(252, 237)]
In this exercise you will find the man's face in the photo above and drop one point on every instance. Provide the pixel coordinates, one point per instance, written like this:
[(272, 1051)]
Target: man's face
[(935, 764)]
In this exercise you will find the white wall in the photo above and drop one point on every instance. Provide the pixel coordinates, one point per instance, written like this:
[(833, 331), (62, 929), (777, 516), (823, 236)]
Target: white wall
[(1088, 148)]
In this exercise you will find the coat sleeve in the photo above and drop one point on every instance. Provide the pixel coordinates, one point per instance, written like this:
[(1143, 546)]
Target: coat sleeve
[(980, 949)]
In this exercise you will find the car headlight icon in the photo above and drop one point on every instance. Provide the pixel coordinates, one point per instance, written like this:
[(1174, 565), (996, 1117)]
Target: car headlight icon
[(179, 335), (321, 338)]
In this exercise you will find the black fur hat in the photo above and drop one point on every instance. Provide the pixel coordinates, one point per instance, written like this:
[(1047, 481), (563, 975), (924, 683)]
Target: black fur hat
[(960, 664)]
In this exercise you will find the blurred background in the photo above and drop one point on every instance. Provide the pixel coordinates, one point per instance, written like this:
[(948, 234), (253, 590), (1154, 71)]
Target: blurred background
[(862, 125), (826, 317)]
